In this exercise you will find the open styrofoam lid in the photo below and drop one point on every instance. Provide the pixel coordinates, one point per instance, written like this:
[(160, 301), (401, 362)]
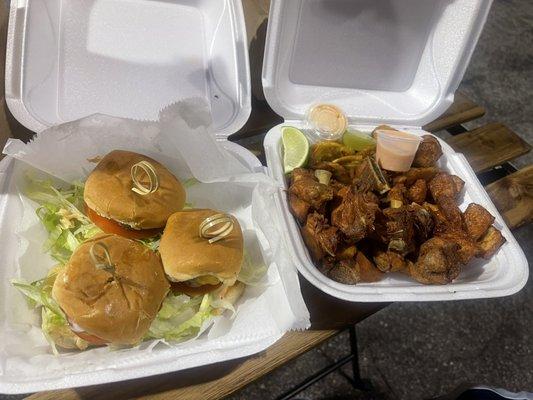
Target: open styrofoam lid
[(398, 62), (126, 58)]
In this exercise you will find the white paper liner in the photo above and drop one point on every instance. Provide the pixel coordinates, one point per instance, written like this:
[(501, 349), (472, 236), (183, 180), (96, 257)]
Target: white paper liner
[(182, 142)]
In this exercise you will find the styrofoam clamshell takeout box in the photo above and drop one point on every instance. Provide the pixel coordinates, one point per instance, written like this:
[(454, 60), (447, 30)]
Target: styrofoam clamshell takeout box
[(127, 58), (382, 62)]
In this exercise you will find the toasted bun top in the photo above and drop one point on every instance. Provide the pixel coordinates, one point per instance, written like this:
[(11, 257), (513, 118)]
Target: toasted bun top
[(108, 192), (186, 255), (117, 308)]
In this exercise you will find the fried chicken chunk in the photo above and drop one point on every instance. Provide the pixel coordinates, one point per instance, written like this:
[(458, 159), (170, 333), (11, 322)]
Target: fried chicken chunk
[(428, 153), (414, 174), (490, 243), (437, 262), (467, 248), (444, 184), (353, 270), (307, 188), (299, 208), (477, 220), (422, 221), (355, 215), (399, 230), (418, 191), (452, 214), (390, 261), (319, 237)]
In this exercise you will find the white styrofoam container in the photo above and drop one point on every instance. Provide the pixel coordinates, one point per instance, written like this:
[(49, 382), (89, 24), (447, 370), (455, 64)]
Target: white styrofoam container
[(126, 58), (382, 62)]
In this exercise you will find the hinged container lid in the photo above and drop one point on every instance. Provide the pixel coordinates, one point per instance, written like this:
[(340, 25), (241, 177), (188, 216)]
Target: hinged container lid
[(126, 58), (398, 62)]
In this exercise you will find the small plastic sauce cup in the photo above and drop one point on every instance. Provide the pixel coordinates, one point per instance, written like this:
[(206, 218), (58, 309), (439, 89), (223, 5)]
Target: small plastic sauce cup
[(327, 121), (395, 150)]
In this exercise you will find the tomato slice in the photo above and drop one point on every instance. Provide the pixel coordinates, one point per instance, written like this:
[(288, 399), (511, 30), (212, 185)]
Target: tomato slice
[(190, 291), (95, 340), (110, 226)]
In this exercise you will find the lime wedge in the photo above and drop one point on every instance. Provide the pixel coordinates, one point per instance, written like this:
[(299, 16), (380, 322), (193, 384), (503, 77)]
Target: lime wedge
[(295, 148), (357, 140)]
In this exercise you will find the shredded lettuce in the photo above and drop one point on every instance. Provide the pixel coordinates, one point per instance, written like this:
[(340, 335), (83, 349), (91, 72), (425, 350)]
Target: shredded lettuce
[(251, 272), (181, 317), (54, 323), (60, 211)]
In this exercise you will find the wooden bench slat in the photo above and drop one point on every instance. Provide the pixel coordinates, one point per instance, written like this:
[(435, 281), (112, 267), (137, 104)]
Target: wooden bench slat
[(489, 146), (218, 381), (462, 110), (513, 196)]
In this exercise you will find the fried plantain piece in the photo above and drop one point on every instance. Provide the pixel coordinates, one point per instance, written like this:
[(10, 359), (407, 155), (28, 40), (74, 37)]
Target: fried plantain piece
[(477, 220), (414, 174), (428, 153), (327, 151), (490, 243), (444, 184), (319, 237), (437, 262), (418, 191)]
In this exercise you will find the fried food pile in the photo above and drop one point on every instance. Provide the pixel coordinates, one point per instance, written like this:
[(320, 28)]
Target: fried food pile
[(360, 222)]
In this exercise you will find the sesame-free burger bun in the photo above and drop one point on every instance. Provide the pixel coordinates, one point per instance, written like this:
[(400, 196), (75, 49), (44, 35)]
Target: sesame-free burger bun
[(108, 192), (186, 255), (116, 308)]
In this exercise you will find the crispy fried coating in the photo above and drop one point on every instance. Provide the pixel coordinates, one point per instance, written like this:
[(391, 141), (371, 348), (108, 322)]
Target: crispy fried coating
[(451, 212), (414, 174), (437, 262), (490, 243), (400, 231), (307, 188), (468, 248), (319, 237), (477, 220), (422, 221), (299, 208), (444, 184), (428, 153), (459, 183), (353, 270), (367, 270), (418, 191), (389, 261), (339, 172), (396, 196), (327, 151), (355, 215)]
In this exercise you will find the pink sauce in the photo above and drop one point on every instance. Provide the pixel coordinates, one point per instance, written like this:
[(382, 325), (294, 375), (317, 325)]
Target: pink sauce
[(396, 150)]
